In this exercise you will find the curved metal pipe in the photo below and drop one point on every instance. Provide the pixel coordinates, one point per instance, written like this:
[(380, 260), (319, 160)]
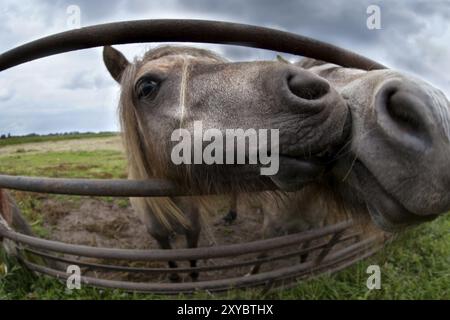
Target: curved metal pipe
[(346, 256), (184, 31), (174, 254), (92, 187), (109, 187)]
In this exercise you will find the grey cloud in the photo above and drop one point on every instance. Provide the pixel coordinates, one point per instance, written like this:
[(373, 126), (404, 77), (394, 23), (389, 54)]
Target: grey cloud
[(6, 94), (329, 19), (414, 38), (86, 80), (340, 22), (429, 7), (91, 11)]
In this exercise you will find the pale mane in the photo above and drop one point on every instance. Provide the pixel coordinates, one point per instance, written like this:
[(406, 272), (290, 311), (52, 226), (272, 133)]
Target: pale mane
[(145, 161)]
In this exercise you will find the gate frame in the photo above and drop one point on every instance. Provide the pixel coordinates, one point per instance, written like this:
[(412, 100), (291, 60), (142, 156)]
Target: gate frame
[(332, 253)]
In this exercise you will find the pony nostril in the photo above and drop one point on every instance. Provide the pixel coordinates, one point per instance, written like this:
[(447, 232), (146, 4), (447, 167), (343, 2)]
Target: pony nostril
[(399, 112), (307, 86), (399, 107)]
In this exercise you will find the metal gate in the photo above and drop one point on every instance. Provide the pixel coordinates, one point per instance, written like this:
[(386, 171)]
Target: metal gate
[(329, 249)]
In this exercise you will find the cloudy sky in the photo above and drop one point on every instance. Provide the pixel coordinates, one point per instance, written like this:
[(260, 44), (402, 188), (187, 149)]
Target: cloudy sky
[(73, 91)]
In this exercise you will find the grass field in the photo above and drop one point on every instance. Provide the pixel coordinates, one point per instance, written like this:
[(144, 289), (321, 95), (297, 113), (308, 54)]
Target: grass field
[(416, 265), (48, 138)]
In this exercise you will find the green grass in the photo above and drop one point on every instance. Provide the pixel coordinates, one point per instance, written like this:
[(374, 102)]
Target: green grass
[(71, 164), (103, 164), (416, 265), (32, 139)]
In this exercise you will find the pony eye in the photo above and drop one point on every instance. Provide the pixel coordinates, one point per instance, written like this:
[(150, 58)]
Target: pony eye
[(146, 87)]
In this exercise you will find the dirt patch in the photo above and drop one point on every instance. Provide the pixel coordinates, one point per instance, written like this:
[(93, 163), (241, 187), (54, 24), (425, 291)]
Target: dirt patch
[(95, 223), (99, 223)]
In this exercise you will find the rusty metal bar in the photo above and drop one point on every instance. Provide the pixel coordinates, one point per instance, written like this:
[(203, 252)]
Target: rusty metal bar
[(91, 187), (174, 254), (333, 241), (184, 31), (109, 267), (339, 260), (109, 187), (344, 262), (212, 285)]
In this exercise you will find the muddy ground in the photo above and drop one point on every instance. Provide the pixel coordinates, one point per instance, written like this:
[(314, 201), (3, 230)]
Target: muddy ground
[(96, 222)]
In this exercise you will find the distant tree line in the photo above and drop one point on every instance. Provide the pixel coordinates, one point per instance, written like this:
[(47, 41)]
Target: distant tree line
[(69, 133)]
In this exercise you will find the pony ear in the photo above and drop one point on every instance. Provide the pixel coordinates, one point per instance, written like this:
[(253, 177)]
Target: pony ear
[(115, 62)]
